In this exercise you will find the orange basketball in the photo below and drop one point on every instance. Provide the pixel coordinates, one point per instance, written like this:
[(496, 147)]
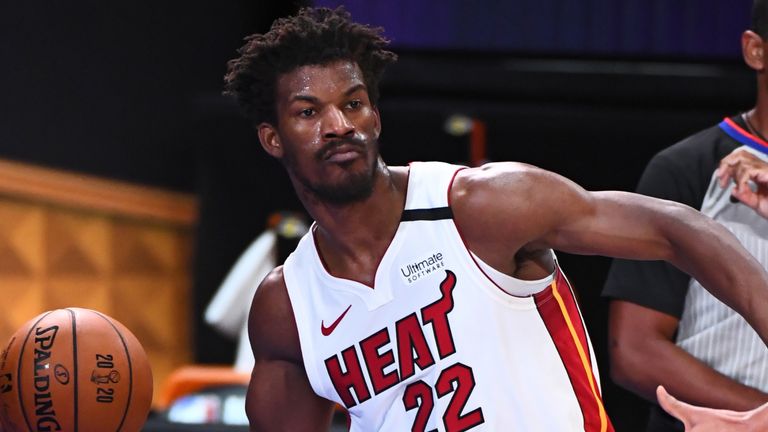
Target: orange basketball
[(74, 370)]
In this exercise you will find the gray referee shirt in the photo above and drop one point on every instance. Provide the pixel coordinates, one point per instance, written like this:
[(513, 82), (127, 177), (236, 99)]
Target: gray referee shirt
[(711, 331)]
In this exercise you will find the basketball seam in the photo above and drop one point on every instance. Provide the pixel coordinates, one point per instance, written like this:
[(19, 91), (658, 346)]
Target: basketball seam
[(74, 368), (130, 369)]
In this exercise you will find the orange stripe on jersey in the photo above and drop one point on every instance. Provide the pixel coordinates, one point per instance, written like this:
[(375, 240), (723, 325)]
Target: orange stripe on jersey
[(564, 325)]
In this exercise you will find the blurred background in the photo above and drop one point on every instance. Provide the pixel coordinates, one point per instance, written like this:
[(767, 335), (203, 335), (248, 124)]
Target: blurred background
[(127, 96)]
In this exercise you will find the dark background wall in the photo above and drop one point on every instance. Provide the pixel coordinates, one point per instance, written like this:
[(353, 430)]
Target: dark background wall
[(132, 91), (681, 28)]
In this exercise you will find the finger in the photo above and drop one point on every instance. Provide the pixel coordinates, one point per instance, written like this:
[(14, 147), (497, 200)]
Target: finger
[(741, 154), (749, 157), (746, 196), (742, 177), (733, 167), (722, 177), (750, 163), (725, 173), (671, 405), (741, 174), (761, 178)]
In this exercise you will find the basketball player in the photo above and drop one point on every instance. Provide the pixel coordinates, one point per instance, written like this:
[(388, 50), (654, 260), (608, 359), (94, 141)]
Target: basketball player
[(658, 314), (428, 297)]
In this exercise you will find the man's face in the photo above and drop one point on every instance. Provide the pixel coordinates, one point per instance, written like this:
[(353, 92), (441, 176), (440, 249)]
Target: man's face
[(327, 131)]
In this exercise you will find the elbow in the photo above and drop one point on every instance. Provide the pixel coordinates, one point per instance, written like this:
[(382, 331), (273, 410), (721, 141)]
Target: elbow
[(639, 341), (622, 374), (627, 366)]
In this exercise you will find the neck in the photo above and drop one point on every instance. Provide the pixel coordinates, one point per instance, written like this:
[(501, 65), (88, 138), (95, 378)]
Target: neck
[(757, 121), (758, 116), (359, 232)]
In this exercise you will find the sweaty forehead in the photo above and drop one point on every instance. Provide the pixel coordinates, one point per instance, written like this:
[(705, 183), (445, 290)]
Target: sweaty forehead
[(319, 80)]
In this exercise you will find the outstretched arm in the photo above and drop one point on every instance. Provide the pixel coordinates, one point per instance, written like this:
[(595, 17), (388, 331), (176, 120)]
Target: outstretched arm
[(279, 396), (699, 419), (543, 210)]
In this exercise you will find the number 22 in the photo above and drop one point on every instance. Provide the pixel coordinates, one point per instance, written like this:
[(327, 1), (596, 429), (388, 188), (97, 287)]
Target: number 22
[(419, 395)]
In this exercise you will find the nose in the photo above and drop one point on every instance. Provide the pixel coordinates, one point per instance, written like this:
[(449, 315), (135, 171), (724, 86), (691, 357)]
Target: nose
[(336, 124)]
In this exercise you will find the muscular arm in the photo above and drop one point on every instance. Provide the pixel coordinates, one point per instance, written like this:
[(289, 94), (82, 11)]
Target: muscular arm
[(543, 210), (643, 355), (280, 397)]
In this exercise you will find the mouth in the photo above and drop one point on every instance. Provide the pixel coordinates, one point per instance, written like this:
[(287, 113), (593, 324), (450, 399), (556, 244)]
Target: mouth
[(342, 153)]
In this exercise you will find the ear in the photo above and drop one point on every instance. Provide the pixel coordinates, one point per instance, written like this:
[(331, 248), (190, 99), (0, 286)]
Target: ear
[(270, 140), (752, 48)]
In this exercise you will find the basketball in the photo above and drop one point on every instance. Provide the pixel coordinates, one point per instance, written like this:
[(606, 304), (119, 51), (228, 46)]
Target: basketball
[(74, 370)]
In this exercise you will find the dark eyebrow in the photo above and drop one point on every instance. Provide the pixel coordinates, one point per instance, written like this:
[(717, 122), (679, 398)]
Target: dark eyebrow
[(305, 98), (312, 99), (354, 89)]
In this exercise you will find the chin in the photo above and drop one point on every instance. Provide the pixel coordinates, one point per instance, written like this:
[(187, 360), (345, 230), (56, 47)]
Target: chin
[(356, 185)]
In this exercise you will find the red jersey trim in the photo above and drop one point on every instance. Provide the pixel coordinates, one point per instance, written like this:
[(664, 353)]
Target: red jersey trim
[(563, 322)]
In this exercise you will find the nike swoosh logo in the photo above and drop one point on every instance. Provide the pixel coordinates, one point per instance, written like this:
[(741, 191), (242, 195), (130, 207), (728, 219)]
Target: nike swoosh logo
[(328, 330)]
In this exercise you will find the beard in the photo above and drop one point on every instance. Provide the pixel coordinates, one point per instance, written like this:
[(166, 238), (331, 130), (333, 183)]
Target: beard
[(354, 187)]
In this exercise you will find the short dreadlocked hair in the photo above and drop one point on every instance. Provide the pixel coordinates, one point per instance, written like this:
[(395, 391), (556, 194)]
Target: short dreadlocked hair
[(312, 37)]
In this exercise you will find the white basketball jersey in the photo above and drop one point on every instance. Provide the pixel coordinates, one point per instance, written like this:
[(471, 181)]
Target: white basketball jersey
[(435, 345)]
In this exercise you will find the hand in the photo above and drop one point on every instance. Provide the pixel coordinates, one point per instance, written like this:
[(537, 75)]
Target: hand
[(744, 168), (699, 419)]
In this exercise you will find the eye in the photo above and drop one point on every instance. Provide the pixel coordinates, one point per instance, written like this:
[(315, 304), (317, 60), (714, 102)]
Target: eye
[(354, 104), (307, 112)]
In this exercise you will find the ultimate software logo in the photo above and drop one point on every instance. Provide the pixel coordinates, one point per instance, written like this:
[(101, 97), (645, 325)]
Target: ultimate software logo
[(415, 271)]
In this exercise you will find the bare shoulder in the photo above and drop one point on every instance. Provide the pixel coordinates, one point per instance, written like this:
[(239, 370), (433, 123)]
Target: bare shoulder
[(504, 189), (271, 324), (503, 208), (492, 178)]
